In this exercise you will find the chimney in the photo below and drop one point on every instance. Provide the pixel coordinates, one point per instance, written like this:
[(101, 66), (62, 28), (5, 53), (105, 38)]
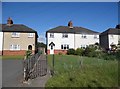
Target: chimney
[(70, 24), (9, 22), (118, 26)]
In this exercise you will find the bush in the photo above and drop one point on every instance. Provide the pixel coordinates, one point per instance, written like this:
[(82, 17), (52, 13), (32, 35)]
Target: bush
[(118, 55), (71, 52), (90, 52), (109, 57), (79, 51), (59, 53), (28, 53)]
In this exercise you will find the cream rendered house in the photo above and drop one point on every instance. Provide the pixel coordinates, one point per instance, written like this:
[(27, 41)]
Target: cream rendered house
[(66, 37), (110, 37), (18, 38)]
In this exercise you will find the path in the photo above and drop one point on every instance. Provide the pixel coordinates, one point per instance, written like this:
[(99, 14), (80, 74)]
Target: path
[(13, 75)]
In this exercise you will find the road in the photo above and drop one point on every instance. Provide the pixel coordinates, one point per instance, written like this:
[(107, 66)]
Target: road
[(12, 73)]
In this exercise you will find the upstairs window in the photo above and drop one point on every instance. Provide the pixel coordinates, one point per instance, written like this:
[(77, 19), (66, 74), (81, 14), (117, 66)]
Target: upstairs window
[(64, 35), (65, 46), (83, 36), (30, 34), (95, 36), (51, 35), (112, 36), (15, 34), (14, 47)]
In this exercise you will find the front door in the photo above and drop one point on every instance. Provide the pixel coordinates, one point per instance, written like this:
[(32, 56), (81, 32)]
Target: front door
[(51, 49)]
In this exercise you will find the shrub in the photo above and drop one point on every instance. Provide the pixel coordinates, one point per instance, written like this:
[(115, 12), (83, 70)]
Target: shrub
[(79, 51), (118, 55), (28, 53), (90, 52), (71, 52), (59, 53)]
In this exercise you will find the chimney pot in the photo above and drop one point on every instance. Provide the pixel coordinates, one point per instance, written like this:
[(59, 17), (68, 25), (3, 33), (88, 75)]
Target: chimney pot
[(9, 22), (70, 24)]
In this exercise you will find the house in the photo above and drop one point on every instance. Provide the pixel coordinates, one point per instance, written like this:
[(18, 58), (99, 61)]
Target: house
[(110, 38), (1, 42), (17, 38), (62, 38)]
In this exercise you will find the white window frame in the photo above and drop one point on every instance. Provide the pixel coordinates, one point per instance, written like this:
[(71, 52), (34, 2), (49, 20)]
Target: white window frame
[(95, 37), (64, 35), (14, 47), (15, 34), (51, 35), (112, 36), (30, 35), (84, 36)]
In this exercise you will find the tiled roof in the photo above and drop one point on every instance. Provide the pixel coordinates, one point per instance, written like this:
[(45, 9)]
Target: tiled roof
[(66, 29), (114, 31), (16, 28)]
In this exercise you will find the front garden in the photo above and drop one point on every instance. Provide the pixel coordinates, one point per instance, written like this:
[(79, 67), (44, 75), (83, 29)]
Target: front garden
[(89, 67), (76, 71)]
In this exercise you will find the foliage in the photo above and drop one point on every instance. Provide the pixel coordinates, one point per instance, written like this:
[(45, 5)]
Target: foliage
[(28, 53), (41, 45), (70, 51), (90, 52), (94, 72), (59, 53), (79, 51)]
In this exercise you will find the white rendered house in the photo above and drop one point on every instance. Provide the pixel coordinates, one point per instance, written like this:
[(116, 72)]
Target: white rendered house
[(110, 37), (66, 37), (1, 42)]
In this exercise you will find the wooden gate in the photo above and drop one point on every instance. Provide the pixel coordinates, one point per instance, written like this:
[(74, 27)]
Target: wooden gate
[(35, 66)]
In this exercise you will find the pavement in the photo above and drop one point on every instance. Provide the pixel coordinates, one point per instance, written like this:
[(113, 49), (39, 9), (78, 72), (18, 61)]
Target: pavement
[(12, 75)]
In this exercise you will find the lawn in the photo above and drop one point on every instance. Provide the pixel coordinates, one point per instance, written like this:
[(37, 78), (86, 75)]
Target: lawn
[(75, 71), (15, 57)]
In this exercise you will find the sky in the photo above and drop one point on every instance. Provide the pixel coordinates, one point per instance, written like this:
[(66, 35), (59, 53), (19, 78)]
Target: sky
[(42, 16)]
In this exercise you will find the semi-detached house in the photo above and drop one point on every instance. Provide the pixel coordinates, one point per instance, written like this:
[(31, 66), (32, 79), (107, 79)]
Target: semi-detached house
[(110, 37), (16, 39), (67, 37)]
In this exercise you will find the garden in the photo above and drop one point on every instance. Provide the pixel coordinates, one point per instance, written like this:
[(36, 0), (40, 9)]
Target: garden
[(84, 68)]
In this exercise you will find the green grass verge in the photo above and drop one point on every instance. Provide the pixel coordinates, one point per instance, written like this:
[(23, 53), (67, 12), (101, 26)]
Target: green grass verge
[(16, 57), (75, 71)]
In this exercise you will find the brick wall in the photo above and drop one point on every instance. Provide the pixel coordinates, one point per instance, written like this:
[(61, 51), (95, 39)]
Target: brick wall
[(0, 52), (21, 52), (57, 51)]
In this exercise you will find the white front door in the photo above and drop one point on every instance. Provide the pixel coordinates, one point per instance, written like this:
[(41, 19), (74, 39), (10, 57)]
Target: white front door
[(51, 50)]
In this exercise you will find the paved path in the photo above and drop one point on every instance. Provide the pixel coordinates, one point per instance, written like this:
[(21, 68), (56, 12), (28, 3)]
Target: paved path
[(13, 75)]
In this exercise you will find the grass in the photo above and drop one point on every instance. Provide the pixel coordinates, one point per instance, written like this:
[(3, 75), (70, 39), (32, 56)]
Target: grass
[(15, 57), (75, 71)]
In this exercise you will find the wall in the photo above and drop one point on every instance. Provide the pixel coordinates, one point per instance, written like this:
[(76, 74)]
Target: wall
[(113, 39), (1, 42), (58, 41), (85, 41), (23, 41), (104, 43)]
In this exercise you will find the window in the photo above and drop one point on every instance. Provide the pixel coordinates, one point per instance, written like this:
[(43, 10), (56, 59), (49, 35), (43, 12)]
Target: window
[(83, 46), (14, 47), (15, 34), (30, 34), (84, 36), (51, 35), (111, 36), (95, 36), (65, 46), (64, 35)]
